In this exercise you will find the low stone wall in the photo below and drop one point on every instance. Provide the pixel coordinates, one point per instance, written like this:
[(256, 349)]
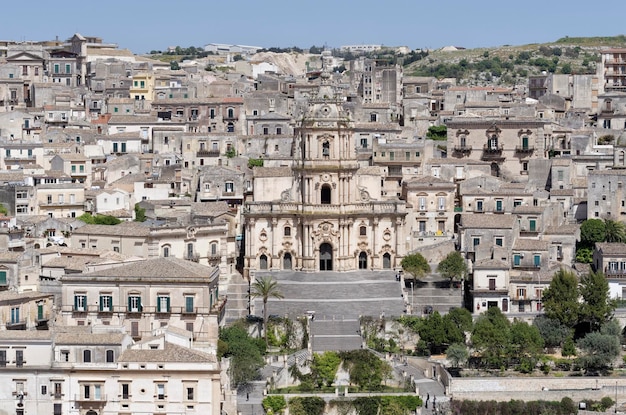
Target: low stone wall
[(537, 388)]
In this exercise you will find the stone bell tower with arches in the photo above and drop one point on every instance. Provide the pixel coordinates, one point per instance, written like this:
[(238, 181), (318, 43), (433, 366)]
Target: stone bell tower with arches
[(327, 213)]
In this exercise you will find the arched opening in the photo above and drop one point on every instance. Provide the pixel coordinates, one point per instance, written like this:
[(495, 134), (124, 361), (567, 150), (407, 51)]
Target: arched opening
[(326, 257), (325, 195), (263, 262), (287, 261), (495, 170), (230, 128), (386, 260), (91, 412), (362, 260), (325, 149)]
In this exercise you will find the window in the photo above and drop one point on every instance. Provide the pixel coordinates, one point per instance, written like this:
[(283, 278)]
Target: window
[(532, 223), (58, 390), (15, 315), (363, 142), (363, 231), (422, 203), (44, 389), (166, 251), (19, 358), (499, 241), (559, 175), (499, 207), (125, 390), (214, 244), (479, 206), (521, 293), (3, 358), (537, 260), (57, 68), (110, 356), (517, 259), (325, 149), (80, 302), (134, 303), (58, 409), (441, 203), (475, 241), (106, 303), (190, 393), (68, 68), (86, 356), (231, 113), (65, 355), (189, 304), (229, 187), (160, 390), (287, 231), (492, 284), (163, 304)]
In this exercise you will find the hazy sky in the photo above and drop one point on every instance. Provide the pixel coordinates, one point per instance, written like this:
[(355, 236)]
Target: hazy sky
[(144, 25)]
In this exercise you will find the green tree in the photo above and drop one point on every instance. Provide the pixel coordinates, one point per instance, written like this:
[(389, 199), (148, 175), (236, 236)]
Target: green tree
[(265, 288), (457, 354), (89, 219), (597, 306), (598, 351), (245, 353), (324, 368), (3, 210), (433, 333), (174, 66), (552, 331), (592, 231), (453, 267), (366, 369), (437, 132), (307, 405), (275, 403), (614, 231), (560, 299), (584, 255), (461, 317), (490, 337), (415, 264), (526, 344), (140, 213)]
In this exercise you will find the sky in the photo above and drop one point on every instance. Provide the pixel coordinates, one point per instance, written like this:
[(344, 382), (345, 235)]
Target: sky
[(145, 25)]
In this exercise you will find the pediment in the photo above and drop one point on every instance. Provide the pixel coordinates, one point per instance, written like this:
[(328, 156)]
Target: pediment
[(24, 57)]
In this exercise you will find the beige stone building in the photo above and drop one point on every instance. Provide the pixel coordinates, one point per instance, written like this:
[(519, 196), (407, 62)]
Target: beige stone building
[(324, 212)]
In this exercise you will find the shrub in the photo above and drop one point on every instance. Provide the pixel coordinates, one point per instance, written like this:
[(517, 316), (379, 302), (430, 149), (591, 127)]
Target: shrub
[(275, 403)]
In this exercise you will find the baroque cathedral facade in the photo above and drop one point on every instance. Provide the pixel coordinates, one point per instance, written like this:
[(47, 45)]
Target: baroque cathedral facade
[(324, 212)]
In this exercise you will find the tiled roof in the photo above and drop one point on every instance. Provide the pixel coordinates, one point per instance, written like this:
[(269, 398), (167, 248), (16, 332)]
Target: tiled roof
[(533, 210), (487, 221), (561, 230), (25, 296), (170, 353), (272, 172), (491, 264), (6, 335), (159, 269), (123, 229), (522, 244), (611, 248), (80, 337)]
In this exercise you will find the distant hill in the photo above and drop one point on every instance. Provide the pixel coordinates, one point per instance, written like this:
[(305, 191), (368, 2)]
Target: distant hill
[(510, 65)]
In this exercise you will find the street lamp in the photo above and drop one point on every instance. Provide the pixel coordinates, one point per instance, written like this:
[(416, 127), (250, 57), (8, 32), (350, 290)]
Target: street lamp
[(615, 396)]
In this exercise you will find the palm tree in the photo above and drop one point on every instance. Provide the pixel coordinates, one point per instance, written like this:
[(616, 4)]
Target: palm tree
[(265, 288), (614, 231)]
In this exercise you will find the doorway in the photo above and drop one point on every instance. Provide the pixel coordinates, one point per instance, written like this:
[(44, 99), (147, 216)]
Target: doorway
[(326, 257), (362, 260), (287, 261)]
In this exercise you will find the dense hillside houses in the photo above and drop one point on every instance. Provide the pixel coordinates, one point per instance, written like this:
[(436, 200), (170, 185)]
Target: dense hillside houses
[(252, 168)]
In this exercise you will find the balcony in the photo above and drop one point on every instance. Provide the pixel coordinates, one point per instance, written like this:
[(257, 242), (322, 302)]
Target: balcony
[(193, 257), (16, 325), (492, 152), (90, 401), (462, 149), (22, 158), (524, 149), (615, 273), (208, 153)]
